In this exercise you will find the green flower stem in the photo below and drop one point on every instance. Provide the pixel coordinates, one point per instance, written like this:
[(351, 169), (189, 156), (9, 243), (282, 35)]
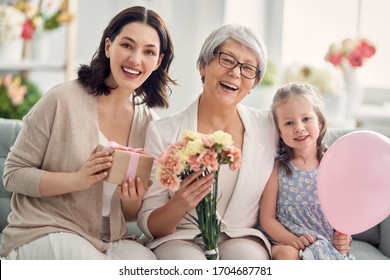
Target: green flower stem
[(208, 222)]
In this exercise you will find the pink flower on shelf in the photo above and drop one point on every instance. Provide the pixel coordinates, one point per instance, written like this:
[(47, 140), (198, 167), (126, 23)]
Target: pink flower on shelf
[(354, 51), (28, 29)]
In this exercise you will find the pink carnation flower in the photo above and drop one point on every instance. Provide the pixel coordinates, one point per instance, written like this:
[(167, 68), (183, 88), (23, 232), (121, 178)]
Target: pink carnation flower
[(234, 158), (209, 159), (190, 154)]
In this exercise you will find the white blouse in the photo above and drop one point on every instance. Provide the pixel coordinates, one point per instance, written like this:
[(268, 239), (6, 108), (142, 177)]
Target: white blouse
[(108, 192)]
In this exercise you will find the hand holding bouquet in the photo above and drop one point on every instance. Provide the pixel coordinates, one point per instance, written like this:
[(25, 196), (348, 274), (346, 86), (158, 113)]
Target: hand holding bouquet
[(194, 152)]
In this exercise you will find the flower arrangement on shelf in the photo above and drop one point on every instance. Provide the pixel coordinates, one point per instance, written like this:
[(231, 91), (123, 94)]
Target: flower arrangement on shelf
[(42, 17), (22, 19), (11, 24), (353, 51), (17, 96), (194, 152), (326, 78)]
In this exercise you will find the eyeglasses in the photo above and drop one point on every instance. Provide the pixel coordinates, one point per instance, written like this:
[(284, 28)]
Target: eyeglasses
[(230, 62)]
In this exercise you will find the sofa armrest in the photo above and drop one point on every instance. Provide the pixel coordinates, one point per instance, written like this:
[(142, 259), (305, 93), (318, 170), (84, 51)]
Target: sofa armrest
[(9, 130), (384, 234)]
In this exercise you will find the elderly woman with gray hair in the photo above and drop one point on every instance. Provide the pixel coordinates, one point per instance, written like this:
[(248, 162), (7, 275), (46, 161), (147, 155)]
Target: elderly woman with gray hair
[(232, 61)]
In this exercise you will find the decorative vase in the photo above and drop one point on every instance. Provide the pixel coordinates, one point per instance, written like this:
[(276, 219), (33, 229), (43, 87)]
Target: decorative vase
[(354, 89), (47, 45), (336, 108), (12, 51), (41, 46)]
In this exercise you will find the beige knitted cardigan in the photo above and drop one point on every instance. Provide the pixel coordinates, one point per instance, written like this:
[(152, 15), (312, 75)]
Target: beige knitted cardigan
[(58, 135)]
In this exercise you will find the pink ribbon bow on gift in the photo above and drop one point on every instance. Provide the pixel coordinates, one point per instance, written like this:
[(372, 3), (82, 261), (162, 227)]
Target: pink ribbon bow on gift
[(117, 146), (133, 162)]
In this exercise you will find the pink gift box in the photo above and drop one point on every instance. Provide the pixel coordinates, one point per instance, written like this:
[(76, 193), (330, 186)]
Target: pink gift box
[(127, 162)]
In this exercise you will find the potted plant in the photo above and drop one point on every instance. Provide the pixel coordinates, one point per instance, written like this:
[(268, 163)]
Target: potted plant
[(17, 96)]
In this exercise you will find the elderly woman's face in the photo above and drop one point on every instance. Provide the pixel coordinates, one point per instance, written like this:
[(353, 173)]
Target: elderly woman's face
[(229, 85)]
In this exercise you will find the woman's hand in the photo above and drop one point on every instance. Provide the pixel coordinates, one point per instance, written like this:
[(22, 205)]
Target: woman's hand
[(192, 190), (303, 241), (342, 242), (164, 220), (93, 170), (131, 193), (132, 190)]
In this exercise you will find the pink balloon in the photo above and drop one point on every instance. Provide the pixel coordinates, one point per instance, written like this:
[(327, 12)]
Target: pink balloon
[(354, 181)]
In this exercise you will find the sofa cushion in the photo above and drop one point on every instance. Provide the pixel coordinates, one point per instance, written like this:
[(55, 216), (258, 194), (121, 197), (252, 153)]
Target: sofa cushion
[(365, 251), (9, 131), (370, 236), (384, 231)]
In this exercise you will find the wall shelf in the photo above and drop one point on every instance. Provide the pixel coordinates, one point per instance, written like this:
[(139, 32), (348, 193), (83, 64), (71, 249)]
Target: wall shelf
[(31, 64), (64, 64)]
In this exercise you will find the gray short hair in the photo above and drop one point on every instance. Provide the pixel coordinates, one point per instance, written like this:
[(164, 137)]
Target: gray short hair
[(238, 33)]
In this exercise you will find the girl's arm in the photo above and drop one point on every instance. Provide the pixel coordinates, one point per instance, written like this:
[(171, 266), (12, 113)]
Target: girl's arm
[(268, 219)]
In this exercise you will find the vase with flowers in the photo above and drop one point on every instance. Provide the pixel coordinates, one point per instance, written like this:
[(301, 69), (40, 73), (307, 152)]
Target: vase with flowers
[(194, 152), (11, 27), (350, 55), (41, 17)]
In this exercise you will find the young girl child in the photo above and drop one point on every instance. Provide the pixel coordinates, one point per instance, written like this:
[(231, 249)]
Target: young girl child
[(290, 212)]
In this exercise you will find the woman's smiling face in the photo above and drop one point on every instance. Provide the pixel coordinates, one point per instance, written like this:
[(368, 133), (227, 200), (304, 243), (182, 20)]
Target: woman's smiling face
[(134, 55), (228, 85)]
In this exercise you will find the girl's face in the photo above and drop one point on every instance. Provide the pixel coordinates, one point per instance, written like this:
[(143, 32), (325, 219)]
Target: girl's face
[(134, 55), (228, 86), (298, 124)]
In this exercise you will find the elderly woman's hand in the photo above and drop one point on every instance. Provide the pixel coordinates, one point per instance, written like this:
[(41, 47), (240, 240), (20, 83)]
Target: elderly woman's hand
[(192, 190)]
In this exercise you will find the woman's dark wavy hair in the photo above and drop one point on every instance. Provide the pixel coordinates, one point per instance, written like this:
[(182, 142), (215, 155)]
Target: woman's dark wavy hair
[(154, 92), (309, 94)]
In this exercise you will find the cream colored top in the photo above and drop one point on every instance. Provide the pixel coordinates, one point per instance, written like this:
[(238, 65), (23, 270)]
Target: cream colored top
[(240, 209)]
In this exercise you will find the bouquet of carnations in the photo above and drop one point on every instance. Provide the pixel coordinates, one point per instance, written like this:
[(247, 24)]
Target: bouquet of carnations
[(194, 152)]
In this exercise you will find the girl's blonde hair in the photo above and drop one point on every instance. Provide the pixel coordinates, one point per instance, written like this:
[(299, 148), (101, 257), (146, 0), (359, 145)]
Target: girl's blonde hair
[(309, 94)]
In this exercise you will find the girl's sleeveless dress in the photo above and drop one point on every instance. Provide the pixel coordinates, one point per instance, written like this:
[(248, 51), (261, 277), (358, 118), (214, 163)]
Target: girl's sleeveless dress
[(299, 211)]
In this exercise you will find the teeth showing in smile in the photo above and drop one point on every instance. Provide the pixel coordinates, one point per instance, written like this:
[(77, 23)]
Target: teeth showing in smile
[(131, 71), (229, 86)]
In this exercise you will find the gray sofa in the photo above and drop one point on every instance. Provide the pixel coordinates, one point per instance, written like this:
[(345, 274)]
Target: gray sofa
[(372, 244)]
